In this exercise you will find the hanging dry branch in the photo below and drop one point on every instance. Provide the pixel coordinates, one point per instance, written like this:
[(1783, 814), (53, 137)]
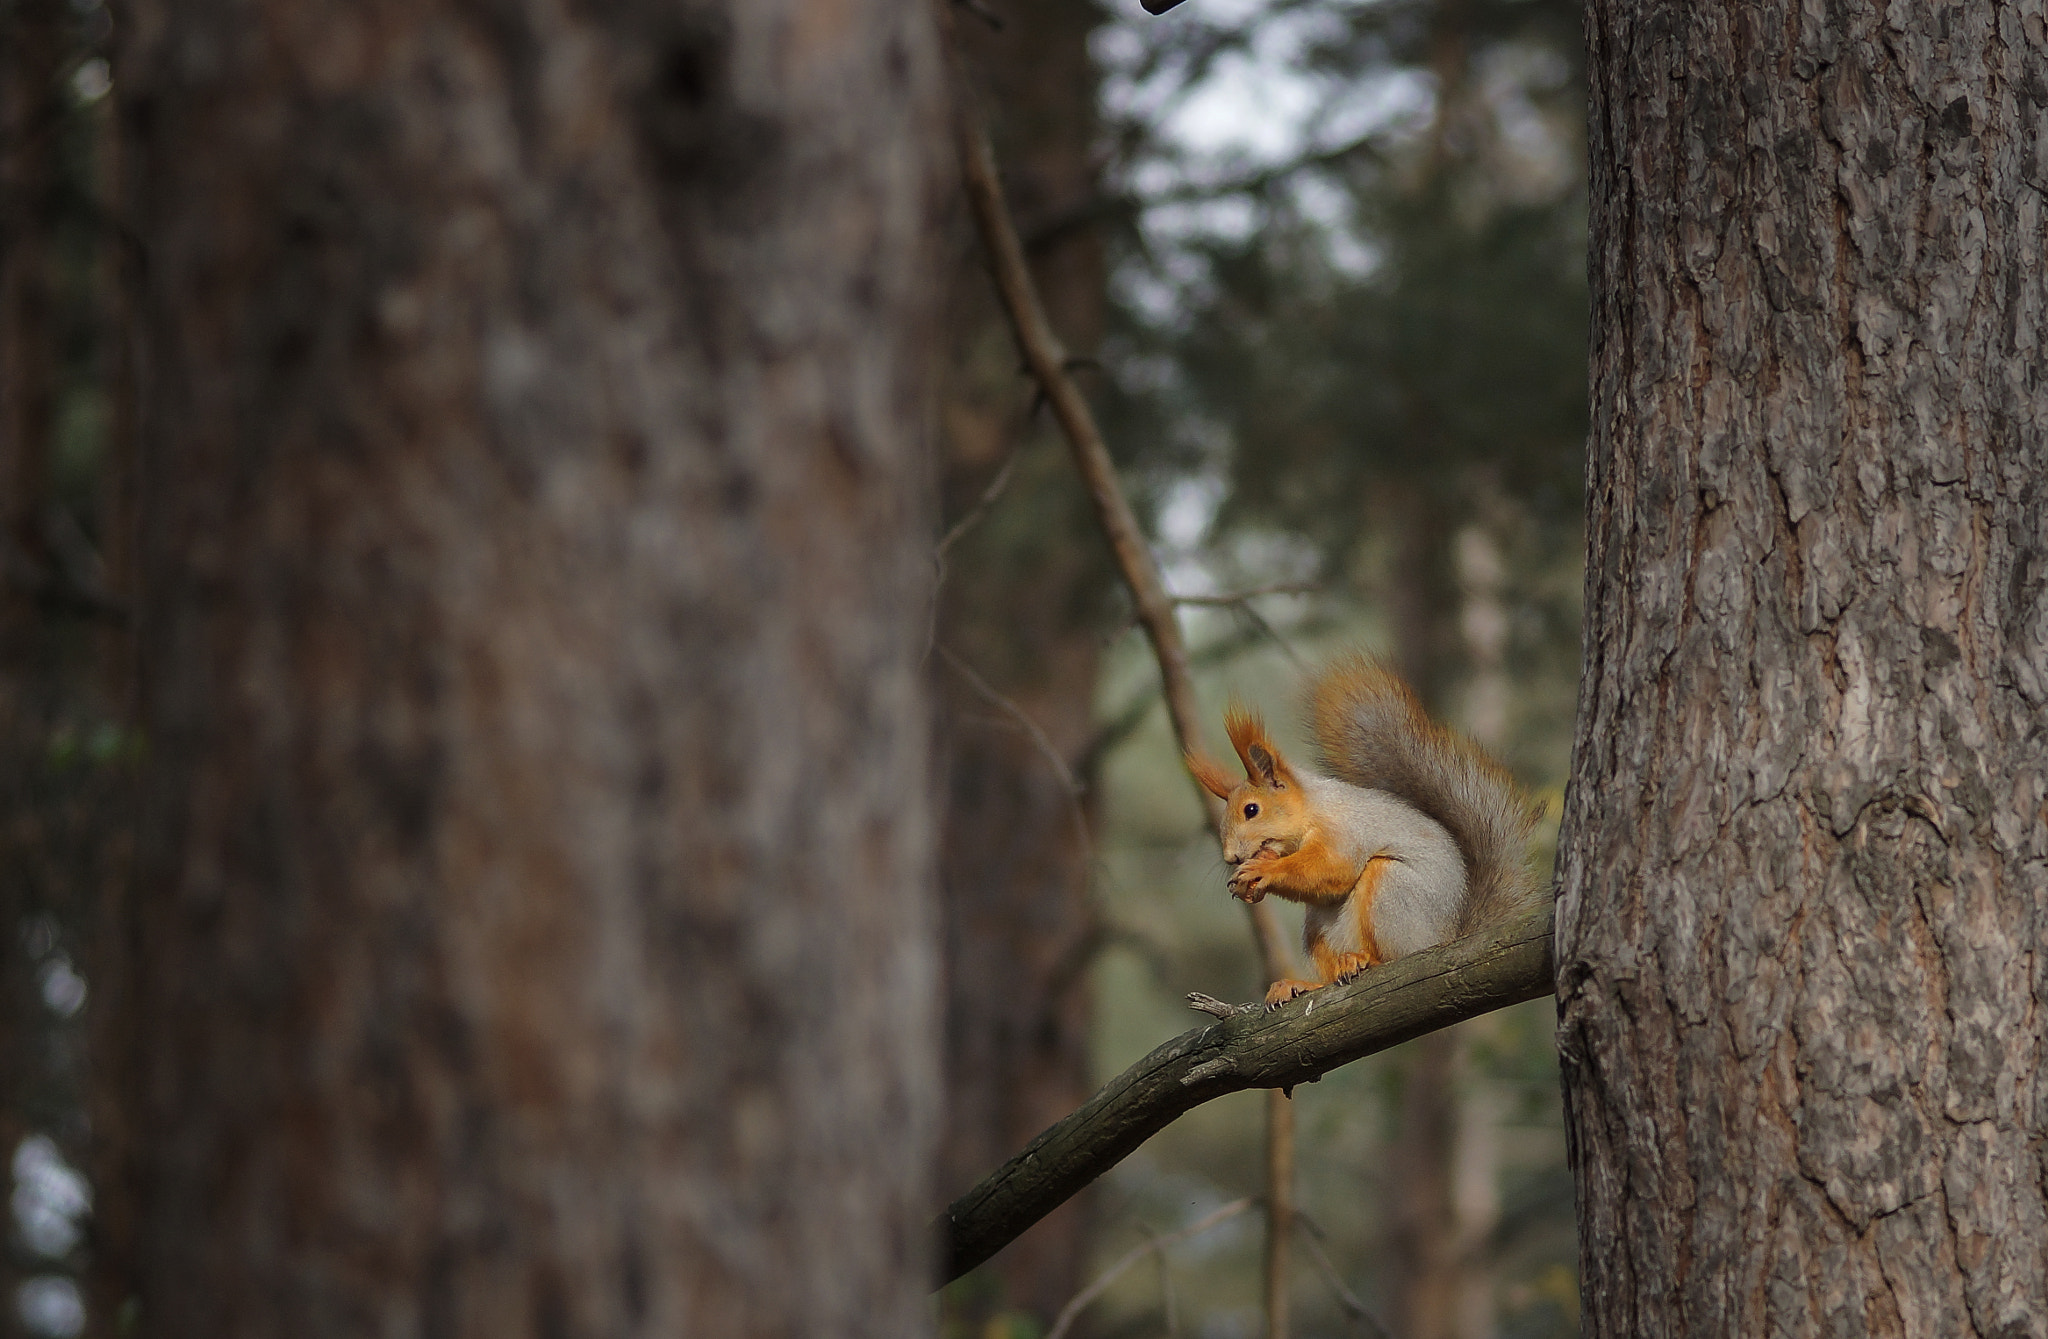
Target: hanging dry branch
[(1297, 1043)]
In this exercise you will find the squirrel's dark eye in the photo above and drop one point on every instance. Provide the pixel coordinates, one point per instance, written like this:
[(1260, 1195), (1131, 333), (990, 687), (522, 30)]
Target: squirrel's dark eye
[(1251, 811)]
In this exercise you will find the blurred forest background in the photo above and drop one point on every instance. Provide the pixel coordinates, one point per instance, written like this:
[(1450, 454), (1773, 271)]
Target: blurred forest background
[(1325, 262)]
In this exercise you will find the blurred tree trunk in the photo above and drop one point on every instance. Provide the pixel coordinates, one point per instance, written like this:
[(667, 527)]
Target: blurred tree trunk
[(1023, 606), (1805, 863), (1442, 1164), (534, 935)]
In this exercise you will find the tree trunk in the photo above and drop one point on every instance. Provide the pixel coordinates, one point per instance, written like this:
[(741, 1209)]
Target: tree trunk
[(1439, 1165), (1023, 608), (1804, 862), (534, 935)]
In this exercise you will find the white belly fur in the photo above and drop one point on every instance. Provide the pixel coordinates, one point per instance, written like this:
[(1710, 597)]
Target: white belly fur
[(1413, 912), (1416, 904)]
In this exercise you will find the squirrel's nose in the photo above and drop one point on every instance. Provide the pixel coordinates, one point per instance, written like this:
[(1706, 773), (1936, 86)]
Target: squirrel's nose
[(1233, 858)]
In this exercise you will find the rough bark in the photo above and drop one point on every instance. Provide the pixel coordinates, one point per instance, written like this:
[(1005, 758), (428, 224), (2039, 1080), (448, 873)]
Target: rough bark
[(1805, 863), (535, 934), (1023, 606)]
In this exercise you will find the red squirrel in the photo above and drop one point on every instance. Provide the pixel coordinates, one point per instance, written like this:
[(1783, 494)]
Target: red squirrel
[(1411, 836)]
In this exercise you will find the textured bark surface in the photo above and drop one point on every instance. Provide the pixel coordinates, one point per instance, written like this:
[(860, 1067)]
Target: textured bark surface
[(535, 936), (1805, 862), (1022, 605)]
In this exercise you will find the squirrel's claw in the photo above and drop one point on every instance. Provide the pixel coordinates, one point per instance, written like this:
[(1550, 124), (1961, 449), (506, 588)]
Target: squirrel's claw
[(1282, 991)]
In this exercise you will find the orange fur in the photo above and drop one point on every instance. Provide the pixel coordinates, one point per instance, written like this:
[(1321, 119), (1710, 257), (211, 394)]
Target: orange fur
[(1367, 889), (1286, 989), (1246, 728), (1312, 872), (1371, 732), (1210, 774)]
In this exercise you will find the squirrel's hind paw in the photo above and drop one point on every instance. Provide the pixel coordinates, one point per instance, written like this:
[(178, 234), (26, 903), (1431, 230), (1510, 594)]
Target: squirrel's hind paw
[(1280, 992)]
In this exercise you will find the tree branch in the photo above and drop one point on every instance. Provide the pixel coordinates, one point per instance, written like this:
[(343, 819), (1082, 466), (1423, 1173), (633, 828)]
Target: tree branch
[(1049, 228), (1237, 597), (1297, 1043)]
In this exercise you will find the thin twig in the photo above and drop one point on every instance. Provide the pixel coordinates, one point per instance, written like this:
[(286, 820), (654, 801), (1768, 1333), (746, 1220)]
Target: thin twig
[(1120, 726), (1240, 596), (1040, 740), (1347, 1299), (1081, 1299), (979, 509), (1019, 715), (1258, 620), (1166, 1305), (1046, 230)]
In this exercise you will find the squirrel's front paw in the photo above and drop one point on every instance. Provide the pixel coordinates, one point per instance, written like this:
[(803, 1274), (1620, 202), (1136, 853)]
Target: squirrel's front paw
[(1252, 877)]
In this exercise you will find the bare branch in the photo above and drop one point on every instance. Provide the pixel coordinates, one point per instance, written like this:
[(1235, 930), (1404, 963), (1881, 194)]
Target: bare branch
[(1166, 1305), (979, 509), (1258, 620), (1081, 1299), (972, 518), (1017, 714), (1054, 225), (1214, 1007), (1237, 597), (1347, 1299), (1297, 1043)]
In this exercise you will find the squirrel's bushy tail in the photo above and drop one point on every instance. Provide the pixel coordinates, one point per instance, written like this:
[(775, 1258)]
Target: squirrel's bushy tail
[(1371, 731)]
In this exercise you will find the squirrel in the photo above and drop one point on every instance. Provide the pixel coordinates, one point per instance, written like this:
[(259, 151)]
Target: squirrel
[(1410, 837)]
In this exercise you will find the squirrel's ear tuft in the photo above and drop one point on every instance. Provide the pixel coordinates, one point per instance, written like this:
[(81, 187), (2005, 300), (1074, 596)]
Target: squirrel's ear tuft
[(1254, 747), (1211, 774)]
